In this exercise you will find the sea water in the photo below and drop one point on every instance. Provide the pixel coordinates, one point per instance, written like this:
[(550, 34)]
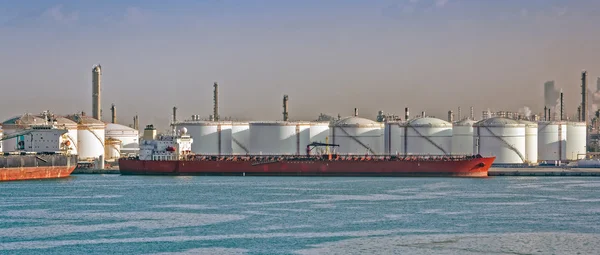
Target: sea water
[(113, 214)]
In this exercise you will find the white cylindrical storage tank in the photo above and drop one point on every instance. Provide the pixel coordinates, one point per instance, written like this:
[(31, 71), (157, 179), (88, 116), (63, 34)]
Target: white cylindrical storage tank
[(576, 140), (210, 137), (393, 138), (462, 137), (428, 136), (500, 137), (319, 132), (552, 141), (90, 137), (356, 135), (129, 138), (240, 138), (112, 148), (531, 141), (1, 132), (278, 137)]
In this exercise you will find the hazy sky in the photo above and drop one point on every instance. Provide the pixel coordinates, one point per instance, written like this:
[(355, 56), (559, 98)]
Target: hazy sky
[(328, 56)]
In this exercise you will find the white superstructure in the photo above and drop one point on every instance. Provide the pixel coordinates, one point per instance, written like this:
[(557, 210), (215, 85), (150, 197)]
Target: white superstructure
[(531, 141), (212, 137), (279, 137), (356, 135), (428, 136), (129, 138), (576, 140), (500, 137), (552, 141), (90, 137), (26, 121), (167, 147), (462, 137), (240, 138)]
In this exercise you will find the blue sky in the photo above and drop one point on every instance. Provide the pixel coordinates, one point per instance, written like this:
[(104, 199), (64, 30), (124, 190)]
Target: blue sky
[(329, 56)]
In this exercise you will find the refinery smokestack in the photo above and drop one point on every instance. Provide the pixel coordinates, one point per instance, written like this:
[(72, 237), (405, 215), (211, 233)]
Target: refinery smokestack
[(406, 115), (579, 113), (583, 96), (96, 87), (459, 114), (136, 122), (562, 107), (450, 116), (113, 114), (545, 113), (549, 115), (285, 108), (174, 115), (216, 101), (472, 114), (423, 114), (355, 112)]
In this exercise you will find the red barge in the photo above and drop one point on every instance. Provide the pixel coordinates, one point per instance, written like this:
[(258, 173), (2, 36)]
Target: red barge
[(170, 155)]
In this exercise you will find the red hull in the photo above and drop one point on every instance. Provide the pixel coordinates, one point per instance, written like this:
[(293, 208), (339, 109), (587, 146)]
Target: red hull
[(39, 172), (471, 167)]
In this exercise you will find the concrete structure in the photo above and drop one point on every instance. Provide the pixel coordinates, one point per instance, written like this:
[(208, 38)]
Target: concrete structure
[(128, 137), (96, 90), (576, 140), (90, 137), (500, 137), (279, 137), (462, 137), (210, 137), (428, 136), (552, 141), (240, 138), (531, 141), (357, 135)]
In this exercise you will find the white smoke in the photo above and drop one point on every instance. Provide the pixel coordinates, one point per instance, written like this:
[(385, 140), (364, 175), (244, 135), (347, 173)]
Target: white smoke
[(525, 111)]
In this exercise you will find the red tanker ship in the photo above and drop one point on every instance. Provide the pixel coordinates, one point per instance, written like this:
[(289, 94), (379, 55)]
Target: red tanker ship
[(170, 155)]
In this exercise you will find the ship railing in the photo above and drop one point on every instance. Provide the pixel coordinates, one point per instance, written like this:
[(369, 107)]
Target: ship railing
[(333, 157)]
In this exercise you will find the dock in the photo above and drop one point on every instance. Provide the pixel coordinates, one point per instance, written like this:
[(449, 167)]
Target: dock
[(554, 171)]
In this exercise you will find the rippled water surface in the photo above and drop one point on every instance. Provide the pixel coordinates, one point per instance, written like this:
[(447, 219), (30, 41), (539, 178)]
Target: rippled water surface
[(100, 214)]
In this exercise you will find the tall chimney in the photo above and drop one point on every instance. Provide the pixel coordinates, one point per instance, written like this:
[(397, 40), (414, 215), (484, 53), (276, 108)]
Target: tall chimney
[(450, 116), (423, 114), (216, 99), (562, 107), (583, 96), (406, 114), (472, 116), (174, 115), (545, 113), (136, 122), (113, 113), (355, 112), (285, 108), (96, 88), (459, 114), (549, 115)]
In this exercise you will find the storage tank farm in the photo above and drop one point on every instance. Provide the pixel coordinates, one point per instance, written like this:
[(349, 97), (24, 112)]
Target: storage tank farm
[(90, 137), (210, 137), (428, 136), (128, 137), (500, 137), (394, 137), (279, 137), (112, 149), (240, 138), (356, 135), (576, 140), (552, 141), (462, 137), (531, 141)]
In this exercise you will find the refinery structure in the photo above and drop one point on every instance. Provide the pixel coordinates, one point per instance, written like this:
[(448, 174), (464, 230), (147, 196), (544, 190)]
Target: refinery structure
[(523, 138)]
